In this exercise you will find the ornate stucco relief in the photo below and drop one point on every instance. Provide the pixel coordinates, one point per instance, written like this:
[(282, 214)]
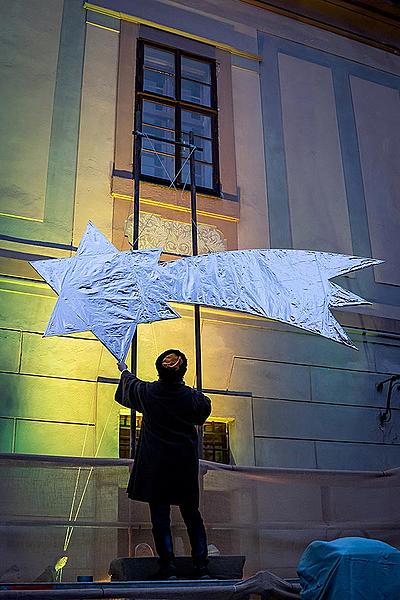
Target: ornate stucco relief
[(174, 236)]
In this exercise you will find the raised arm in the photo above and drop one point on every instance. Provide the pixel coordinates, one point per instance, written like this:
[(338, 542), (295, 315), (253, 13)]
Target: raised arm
[(201, 406), (129, 389)]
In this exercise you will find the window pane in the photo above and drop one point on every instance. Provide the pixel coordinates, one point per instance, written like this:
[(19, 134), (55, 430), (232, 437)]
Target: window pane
[(196, 69), (196, 122), (191, 91), (159, 83), (157, 165), (159, 60), (151, 144), (158, 114), (204, 175), (205, 155)]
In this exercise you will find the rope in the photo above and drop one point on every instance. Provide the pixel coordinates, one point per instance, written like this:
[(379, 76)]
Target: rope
[(75, 518), (172, 181), (74, 495)]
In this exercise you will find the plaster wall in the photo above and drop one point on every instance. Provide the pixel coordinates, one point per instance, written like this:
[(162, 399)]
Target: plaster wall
[(316, 188), (310, 402), (377, 115), (93, 200), (42, 64), (253, 230), (29, 64)]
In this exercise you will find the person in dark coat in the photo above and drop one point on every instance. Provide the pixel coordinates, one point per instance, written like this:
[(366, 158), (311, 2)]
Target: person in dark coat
[(166, 465)]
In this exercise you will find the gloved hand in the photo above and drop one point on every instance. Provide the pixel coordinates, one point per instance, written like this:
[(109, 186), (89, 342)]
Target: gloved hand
[(122, 366)]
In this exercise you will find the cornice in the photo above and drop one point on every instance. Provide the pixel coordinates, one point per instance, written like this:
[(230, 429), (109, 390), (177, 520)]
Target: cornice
[(372, 22)]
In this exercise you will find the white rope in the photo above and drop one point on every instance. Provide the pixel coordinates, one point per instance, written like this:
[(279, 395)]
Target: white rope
[(182, 167), (74, 495), (172, 181), (75, 518)]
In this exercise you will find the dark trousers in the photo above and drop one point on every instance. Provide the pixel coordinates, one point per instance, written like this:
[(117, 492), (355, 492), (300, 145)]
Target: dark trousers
[(160, 519)]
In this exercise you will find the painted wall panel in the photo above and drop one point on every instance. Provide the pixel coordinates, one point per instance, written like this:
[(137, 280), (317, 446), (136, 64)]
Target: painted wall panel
[(47, 399), (29, 34), (377, 114), (387, 358), (55, 222), (274, 345), (66, 357), (249, 148), (317, 196), (226, 130), (6, 434), (10, 348), (107, 422), (334, 455), (301, 420), (38, 437), (25, 311), (241, 430), (337, 386), (285, 453), (271, 380), (93, 200)]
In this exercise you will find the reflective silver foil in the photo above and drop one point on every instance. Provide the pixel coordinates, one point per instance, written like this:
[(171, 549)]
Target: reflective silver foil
[(291, 286), (104, 291), (109, 292)]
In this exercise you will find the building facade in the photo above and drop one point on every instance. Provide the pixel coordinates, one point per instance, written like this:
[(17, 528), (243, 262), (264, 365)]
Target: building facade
[(297, 113)]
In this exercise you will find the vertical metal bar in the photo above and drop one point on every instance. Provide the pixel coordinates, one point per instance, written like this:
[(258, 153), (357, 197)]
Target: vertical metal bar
[(195, 251), (137, 153)]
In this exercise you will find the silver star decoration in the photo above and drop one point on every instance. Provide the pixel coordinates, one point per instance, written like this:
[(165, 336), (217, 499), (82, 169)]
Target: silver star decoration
[(291, 286), (109, 292), (104, 291)]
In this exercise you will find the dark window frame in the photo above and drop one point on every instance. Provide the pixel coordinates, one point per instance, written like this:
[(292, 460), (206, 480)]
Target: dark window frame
[(180, 105)]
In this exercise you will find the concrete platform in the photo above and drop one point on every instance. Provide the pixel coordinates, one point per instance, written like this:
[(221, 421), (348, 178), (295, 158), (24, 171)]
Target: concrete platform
[(145, 568)]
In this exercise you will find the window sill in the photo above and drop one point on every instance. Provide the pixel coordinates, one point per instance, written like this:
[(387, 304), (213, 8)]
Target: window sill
[(155, 194)]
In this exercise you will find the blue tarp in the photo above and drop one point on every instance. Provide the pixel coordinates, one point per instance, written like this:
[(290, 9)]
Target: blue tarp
[(350, 569)]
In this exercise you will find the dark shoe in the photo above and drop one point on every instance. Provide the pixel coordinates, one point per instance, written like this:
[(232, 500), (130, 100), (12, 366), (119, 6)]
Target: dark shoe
[(166, 572), (201, 572)]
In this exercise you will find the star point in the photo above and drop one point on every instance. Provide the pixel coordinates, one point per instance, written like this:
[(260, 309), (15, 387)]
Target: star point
[(104, 291)]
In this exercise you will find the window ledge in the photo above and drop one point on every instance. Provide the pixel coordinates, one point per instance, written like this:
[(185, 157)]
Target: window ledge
[(157, 195)]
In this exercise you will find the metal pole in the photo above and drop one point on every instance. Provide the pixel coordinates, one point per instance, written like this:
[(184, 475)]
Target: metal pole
[(195, 251), (137, 153), (150, 591)]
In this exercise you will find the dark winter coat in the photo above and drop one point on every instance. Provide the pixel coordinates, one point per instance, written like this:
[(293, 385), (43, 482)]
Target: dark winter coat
[(166, 461)]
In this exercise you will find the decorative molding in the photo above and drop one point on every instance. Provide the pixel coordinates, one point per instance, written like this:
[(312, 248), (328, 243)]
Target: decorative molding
[(102, 26), (175, 237), (134, 19), (181, 208), (371, 22)]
